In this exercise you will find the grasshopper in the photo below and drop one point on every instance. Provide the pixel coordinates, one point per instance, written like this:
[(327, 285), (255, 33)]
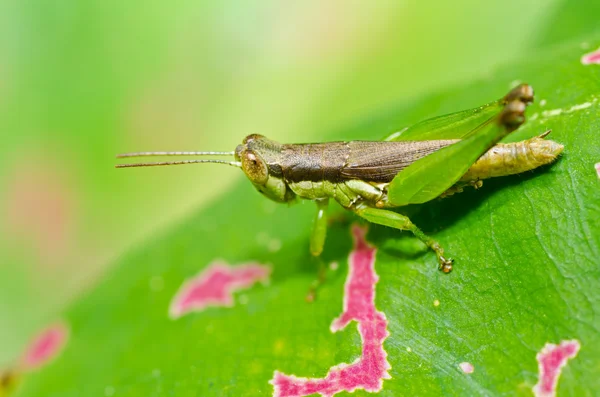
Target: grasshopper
[(434, 158)]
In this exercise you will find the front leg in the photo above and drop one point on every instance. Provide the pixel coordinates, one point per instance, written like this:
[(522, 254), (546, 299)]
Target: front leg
[(317, 242), (319, 231), (401, 222)]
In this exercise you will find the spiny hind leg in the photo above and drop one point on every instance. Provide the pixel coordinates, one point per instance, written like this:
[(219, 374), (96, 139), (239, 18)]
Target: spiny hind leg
[(401, 222)]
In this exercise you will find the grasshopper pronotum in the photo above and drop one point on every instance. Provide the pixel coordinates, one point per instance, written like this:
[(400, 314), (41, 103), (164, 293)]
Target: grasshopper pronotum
[(436, 157)]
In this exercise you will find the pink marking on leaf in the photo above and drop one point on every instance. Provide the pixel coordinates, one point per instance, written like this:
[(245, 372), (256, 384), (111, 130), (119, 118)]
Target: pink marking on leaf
[(215, 285), (551, 360), (597, 166), (591, 58), (45, 346), (466, 367), (368, 371), (40, 207)]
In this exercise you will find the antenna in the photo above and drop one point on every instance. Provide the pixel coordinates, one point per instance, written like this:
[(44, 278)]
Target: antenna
[(160, 163), (144, 154)]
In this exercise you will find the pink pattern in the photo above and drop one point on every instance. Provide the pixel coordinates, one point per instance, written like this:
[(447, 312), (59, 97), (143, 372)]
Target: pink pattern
[(41, 208), (551, 360), (466, 367), (215, 285), (592, 57), (368, 371), (45, 346)]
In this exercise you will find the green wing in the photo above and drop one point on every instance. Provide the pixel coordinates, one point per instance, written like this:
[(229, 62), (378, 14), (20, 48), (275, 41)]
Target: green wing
[(449, 126), (479, 130)]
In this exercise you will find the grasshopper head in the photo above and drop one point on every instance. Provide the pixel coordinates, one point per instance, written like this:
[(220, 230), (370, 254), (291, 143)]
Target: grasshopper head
[(260, 160)]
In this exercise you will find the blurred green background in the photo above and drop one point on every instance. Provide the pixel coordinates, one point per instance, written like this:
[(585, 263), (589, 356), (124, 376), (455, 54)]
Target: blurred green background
[(83, 80)]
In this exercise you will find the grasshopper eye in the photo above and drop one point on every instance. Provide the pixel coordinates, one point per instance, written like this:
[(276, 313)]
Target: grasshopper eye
[(254, 167), (252, 137)]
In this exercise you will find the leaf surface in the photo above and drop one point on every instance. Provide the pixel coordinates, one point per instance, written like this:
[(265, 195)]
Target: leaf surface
[(526, 273)]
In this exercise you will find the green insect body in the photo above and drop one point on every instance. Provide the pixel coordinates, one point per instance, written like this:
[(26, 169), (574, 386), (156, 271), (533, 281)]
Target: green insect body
[(435, 158)]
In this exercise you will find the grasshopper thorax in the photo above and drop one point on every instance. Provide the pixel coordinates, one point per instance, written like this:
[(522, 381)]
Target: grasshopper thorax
[(260, 159)]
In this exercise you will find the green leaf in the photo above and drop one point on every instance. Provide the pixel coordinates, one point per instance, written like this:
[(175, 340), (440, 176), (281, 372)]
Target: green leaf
[(526, 273)]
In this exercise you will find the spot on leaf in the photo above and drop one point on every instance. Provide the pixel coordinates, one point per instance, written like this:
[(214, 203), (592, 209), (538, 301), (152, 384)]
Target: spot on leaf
[(368, 371), (591, 58), (40, 208), (551, 360), (45, 346), (215, 285), (8, 381), (466, 367)]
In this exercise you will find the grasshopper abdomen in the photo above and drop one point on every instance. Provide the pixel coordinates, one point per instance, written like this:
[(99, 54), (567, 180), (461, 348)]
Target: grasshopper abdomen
[(514, 158)]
